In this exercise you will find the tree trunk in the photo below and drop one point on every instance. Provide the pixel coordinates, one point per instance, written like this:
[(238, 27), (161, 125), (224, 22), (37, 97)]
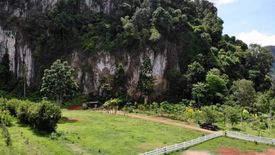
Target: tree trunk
[(270, 118), (242, 119), (59, 100), (145, 100)]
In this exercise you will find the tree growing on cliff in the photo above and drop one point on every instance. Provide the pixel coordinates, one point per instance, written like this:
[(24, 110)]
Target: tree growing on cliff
[(120, 79), (146, 80), (58, 82), (4, 71)]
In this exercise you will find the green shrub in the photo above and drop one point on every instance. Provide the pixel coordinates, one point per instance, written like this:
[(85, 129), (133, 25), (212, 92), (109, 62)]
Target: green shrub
[(3, 100), (211, 114), (12, 106), (6, 134), (141, 107), (112, 103), (189, 113), (3, 104), (22, 111), (44, 116), (171, 109), (5, 118)]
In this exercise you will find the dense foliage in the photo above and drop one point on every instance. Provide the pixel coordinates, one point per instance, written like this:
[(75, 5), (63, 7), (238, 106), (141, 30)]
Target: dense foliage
[(213, 69), (58, 82), (146, 80), (190, 29), (42, 116)]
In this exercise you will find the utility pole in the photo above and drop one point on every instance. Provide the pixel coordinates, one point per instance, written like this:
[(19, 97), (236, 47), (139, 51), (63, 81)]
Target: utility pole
[(24, 74)]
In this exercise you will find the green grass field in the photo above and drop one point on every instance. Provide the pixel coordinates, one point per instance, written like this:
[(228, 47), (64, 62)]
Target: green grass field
[(213, 146), (96, 133), (88, 132), (243, 146)]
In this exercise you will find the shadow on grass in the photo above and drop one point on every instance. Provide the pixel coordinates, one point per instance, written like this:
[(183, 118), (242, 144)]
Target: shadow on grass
[(34, 131), (64, 120), (39, 133), (235, 129)]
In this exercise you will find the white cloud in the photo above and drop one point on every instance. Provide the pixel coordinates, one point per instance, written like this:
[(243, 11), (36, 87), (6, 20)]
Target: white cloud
[(222, 2), (257, 37)]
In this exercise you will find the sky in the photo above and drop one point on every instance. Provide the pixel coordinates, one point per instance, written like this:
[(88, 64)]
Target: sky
[(252, 21)]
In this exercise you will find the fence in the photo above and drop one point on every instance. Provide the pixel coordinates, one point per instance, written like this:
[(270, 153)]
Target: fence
[(184, 145), (230, 134), (246, 137)]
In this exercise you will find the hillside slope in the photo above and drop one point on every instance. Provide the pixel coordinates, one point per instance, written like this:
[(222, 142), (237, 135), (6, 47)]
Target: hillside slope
[(182, 38)]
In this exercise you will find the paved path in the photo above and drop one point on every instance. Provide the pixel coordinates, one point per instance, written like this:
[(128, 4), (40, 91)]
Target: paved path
[(164, 121)]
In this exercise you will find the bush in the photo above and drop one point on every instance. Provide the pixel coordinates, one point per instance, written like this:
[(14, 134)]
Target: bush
[(5, 118), (171, 109), (22, 111), (6, 135), (210, 113), (189, 113), (44, 116), (112, 103), (129, 107), (3, 100), (12, 106)]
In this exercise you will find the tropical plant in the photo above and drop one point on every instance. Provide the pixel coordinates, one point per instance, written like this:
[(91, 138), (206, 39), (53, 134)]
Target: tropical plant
[(58, 82)]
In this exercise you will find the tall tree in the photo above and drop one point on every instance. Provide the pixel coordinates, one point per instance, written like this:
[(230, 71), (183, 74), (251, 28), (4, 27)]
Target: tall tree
[(216, 86), (120, 89), (5, 73), (244, 93), (199, 93), (58, 82), (146, 80), (259, 63)]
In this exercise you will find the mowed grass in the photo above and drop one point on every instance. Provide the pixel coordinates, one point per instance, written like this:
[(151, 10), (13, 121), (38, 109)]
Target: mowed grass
[(214, 145), (89, 132)]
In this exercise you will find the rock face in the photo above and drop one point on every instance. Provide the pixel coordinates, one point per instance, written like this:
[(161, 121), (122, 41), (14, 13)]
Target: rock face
[(21, 60), (90, 69)]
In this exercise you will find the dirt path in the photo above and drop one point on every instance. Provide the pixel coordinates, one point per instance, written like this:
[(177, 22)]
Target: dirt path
[(164, 121), (196, 153)]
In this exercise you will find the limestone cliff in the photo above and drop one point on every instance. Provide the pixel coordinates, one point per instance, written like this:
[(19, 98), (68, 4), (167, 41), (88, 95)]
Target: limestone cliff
[(90, 68)]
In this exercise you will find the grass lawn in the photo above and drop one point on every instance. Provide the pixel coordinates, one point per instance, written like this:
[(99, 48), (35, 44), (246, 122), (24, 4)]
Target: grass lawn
[(212, 146), (89, 132)]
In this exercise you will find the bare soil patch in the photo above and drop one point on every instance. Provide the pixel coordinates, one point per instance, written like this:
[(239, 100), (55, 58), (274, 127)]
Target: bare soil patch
[(231, 151), (196, 153), (165, 121), (75, 107)]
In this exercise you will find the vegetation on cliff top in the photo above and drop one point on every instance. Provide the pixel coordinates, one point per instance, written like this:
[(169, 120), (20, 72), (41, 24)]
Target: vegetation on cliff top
[(209, 62)]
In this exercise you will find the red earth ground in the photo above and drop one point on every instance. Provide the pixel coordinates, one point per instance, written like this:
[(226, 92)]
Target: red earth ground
[(231, 151), (164, 121), (75, 107)]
